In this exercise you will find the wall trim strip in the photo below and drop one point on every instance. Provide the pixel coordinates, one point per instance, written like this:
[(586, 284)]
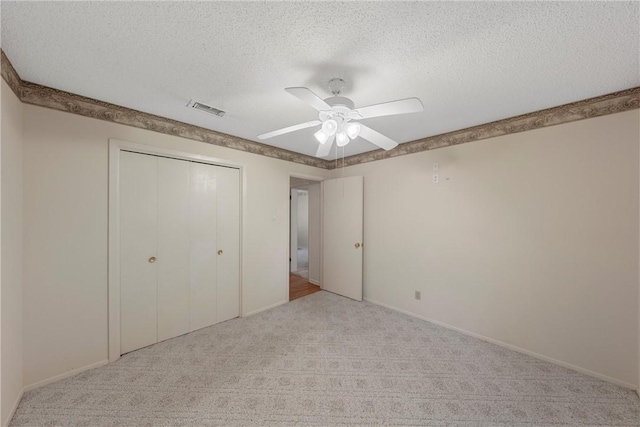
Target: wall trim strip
[(269, 307), (509, 346), (612, 103), (13, 410), (47, 97), (10, 75), (43, 96), (64, 375)]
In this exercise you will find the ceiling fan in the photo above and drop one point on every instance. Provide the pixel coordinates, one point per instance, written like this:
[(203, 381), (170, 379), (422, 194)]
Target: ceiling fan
[(339, 119)]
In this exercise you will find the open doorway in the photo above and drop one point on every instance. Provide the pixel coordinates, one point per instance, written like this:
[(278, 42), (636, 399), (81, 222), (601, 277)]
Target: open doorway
[(304, 233)]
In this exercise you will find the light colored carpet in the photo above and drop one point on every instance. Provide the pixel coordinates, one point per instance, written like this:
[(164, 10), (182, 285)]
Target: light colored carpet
[(326, 360)]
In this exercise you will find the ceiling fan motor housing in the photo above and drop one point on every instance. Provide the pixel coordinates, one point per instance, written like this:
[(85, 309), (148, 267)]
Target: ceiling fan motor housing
[(341, 110), (340, 101)]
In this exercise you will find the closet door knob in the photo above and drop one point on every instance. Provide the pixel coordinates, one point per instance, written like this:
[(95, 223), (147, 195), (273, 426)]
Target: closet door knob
[(152, 259), (220, 252), (357, 245)]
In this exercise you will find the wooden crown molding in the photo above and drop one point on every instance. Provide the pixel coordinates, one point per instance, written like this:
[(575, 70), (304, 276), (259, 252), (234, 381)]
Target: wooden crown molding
[(9, 74), (616, 102), (43, 96)]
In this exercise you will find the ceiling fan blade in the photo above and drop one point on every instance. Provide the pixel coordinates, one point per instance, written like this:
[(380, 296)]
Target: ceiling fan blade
[(289, 129), (305, 95), (325, 149), (402, 106), (377, 138)]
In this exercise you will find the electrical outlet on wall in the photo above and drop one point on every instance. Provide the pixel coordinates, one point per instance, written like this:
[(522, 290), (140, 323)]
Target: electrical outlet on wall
[(418, 295)]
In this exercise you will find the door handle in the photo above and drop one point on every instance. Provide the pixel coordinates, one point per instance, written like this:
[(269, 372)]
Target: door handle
[(357, 245), (220, 252), (152, 259)]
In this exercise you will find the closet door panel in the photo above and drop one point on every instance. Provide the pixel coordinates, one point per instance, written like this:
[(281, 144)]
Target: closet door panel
[(138, 225), (173, 248), (203, 245), (228, 231)]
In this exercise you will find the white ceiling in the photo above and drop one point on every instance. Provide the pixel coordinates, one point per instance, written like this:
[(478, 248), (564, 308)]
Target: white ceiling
[(469, 63)]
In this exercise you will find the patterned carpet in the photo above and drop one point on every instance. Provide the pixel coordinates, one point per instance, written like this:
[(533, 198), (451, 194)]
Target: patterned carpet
[(326, 360)]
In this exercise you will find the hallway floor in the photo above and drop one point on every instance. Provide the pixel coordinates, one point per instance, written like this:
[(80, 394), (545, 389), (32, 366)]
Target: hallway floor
[(300, 287)]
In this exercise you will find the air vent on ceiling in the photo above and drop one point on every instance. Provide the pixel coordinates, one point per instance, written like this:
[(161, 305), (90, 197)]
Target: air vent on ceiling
[(206, 108)]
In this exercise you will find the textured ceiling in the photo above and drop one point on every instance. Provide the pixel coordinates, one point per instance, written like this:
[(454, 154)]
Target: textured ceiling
[(469, 63)]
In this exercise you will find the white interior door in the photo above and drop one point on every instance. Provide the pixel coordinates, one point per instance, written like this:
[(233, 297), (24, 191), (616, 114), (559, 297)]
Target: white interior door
[(342, 243), (138, 244), (173, 248), (293, 230), (228, 254), (203, 246)]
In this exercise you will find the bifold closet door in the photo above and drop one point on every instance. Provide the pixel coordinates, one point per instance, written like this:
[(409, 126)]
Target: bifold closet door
[(173, 247), (228, 232), (179, 247), (138, 244), (215, 244), (203, 245)]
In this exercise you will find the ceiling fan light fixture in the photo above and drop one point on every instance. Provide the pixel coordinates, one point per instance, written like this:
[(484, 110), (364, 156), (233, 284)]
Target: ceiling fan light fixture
[(330, 127), (321, 136), (342, 139), (335, 114), (353, 130)]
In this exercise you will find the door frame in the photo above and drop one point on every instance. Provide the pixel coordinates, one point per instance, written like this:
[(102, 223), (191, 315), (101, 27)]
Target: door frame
[(319, 180), (113, 281), (293, 220)]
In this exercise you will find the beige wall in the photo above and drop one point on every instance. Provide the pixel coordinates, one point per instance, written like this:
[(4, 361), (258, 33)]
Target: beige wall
[(11, 259), (529, 239), (65, 238)]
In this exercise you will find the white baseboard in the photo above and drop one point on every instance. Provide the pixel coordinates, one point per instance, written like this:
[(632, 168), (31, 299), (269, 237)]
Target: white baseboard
[(260, 310), (512, 347), (314, 282), (13, 410), (65, 375)]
